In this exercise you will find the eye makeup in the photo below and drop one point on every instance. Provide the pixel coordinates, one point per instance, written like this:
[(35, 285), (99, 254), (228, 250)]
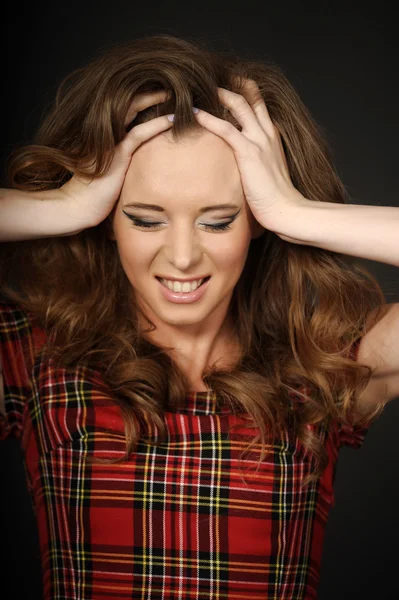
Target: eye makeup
[(156, 224)]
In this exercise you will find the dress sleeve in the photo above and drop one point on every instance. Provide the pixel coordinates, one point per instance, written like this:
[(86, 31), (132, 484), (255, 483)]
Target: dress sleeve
[(20, 339), (348, 434)]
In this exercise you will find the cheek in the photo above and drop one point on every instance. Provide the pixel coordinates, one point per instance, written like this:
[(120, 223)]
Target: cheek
[(135, 255), (232, 250)]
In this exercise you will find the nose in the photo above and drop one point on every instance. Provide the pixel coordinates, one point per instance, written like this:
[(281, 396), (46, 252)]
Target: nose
[(184, 250)]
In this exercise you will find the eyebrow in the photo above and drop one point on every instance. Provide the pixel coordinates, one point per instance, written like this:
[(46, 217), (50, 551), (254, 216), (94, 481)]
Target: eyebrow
[(160, 209)]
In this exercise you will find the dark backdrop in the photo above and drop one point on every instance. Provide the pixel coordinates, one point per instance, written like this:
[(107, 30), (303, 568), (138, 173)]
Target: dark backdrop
[(342, 60)]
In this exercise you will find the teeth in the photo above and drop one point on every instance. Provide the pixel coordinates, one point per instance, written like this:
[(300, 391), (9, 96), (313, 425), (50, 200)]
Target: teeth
[(176, 286)]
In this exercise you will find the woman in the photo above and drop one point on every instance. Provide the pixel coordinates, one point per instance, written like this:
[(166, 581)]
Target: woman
[(181, 438)]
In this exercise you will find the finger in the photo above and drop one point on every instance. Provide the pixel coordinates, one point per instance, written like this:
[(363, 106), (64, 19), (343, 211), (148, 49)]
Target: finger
[(143, 132), (252, 93), (143, 101), (225, 130), (269, 127), (243, 114)]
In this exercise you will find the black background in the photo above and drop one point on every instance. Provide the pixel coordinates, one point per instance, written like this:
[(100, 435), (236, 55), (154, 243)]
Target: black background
[(342, 60)]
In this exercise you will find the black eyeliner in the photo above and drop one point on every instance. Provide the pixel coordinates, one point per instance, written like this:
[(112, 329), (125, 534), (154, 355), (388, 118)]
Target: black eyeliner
[(133, 218)]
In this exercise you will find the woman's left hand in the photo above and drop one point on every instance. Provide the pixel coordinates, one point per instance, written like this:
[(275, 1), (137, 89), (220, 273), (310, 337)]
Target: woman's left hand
[(258, 151)]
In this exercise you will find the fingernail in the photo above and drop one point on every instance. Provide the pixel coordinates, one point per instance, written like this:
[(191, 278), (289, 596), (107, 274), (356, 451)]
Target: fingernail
[(195, 109), (171, 117)]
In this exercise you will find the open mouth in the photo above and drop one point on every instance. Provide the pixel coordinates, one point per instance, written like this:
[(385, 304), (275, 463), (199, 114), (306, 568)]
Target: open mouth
[(202, 282)]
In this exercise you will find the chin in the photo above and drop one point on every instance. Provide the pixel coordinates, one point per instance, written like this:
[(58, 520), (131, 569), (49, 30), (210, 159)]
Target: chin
[(182, 319)]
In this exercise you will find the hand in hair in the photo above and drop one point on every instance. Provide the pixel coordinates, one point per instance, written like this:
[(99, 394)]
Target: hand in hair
[(258, 151), (95, 197)]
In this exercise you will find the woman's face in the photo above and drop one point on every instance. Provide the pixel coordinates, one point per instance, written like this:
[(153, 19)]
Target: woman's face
[(183, 179)]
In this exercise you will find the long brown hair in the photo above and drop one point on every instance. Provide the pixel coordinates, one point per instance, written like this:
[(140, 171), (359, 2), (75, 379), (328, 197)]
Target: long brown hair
[(298, 309)]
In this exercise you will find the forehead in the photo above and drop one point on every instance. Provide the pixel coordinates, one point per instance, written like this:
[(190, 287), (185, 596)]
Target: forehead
[(200, 166)]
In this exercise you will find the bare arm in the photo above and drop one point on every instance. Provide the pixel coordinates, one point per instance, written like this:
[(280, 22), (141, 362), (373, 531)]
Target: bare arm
[(370, 232), (29, 215), (81, 202)]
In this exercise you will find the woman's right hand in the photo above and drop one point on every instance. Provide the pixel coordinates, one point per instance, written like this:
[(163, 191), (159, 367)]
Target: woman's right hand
[(93, 198)]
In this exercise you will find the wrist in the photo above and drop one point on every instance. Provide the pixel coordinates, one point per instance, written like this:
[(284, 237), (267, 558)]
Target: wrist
[(286, 213)]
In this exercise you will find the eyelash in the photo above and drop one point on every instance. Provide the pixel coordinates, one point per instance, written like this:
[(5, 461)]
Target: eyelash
[(149, 225)]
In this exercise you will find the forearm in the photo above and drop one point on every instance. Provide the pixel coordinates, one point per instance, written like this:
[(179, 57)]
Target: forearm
[(370, 232), (30, 215)]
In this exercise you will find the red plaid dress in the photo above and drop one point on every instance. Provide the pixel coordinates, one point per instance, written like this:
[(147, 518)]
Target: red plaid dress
[(176, 521)]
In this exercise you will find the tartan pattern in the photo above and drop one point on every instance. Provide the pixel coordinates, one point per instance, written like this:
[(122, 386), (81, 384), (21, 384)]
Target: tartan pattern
[(175, 521)]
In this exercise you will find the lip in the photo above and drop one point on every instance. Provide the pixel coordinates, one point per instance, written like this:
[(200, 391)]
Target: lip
[(183, 297), (182, 280)]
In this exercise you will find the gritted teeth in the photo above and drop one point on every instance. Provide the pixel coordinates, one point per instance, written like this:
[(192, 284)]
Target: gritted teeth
[(185, 287)]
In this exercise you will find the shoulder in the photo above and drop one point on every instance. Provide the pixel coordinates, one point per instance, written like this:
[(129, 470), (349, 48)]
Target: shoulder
[(19, 328), (379, 350), (12, 318), (21, 337)]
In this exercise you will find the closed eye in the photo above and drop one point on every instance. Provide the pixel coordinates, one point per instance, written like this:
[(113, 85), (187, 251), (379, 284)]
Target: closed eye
[(156, 224)]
